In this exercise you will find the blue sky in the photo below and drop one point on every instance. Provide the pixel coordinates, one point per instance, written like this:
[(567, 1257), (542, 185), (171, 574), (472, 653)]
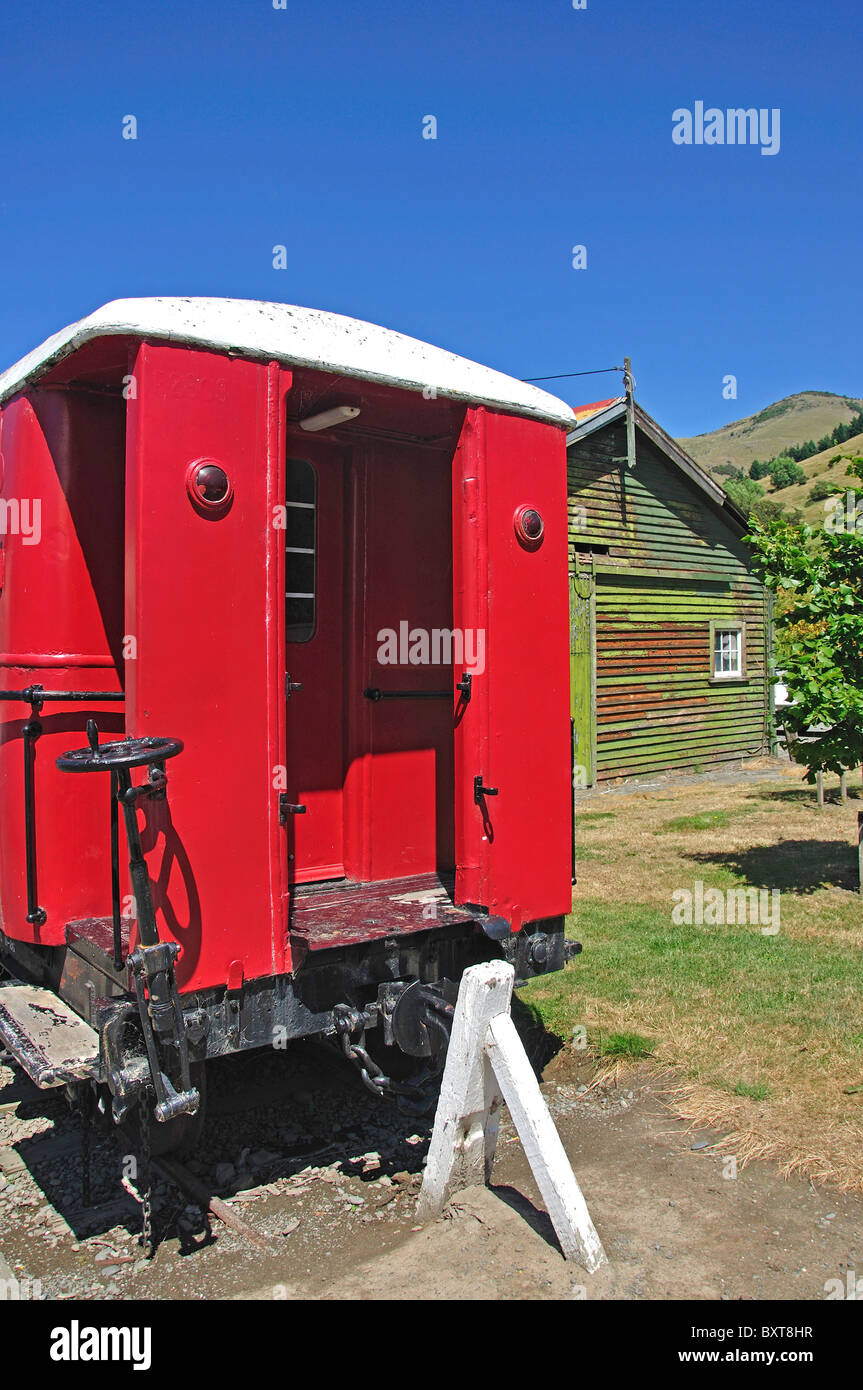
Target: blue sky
[(303, 127)]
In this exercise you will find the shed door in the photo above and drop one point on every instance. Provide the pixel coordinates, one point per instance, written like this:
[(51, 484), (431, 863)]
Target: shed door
[(582, 658)]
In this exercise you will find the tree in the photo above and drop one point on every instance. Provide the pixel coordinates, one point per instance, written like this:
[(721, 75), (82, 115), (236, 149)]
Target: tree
[(766, 509), (744, 493), (758, 469), (818, 577), (784, 472)]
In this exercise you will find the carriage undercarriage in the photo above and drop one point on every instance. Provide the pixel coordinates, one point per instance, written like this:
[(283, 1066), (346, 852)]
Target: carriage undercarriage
[(104, 1011)]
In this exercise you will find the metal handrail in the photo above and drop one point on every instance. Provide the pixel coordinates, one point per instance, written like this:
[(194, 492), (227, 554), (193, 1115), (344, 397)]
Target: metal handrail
[(35, 696)]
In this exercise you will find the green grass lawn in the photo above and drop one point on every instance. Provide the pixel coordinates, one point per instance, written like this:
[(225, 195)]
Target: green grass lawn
[(764, 1032)]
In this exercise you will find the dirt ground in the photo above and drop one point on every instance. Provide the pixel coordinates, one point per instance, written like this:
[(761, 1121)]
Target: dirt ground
[(330, 1175)]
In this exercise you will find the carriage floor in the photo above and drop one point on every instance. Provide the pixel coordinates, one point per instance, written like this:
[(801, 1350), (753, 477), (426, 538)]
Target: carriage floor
[(326, 915)]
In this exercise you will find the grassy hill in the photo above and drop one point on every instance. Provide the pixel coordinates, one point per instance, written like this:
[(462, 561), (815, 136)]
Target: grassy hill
[(816, 468), (806, 415)]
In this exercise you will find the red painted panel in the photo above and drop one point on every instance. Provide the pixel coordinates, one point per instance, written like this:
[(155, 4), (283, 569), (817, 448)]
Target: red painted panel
[(60, 627), (516, 730), (202, 602)]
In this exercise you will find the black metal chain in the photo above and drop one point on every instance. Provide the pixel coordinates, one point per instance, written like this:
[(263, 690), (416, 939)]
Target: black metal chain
[(145, 1180), (85, 1150), (414, 1098), (373, 1076)]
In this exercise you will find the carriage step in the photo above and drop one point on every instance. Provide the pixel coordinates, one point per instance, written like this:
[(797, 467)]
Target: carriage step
[(52, 1044)]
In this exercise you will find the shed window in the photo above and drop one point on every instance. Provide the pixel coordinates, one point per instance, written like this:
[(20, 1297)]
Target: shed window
[(301, 536), (727, 653)]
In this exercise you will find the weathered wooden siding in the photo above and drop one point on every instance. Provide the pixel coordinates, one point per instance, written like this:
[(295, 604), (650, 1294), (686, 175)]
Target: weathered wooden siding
[(666, 562)]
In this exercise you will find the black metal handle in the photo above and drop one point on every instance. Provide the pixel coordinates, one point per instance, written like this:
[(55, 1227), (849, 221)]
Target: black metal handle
[(479, 791), (374, 694), (288, 808), (35, 695)]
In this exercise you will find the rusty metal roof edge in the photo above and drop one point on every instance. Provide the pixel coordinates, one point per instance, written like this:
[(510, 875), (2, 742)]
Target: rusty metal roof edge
[(606, 416)]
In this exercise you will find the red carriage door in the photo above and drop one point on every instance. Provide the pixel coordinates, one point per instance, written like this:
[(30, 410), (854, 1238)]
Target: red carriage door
[(513, 841), (314, 658)]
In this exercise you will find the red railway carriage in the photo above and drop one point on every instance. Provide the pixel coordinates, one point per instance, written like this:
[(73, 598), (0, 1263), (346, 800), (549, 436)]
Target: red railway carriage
[(283, 626)]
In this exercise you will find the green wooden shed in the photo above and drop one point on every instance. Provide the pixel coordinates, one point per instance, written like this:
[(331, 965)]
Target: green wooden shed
[(670, 629)]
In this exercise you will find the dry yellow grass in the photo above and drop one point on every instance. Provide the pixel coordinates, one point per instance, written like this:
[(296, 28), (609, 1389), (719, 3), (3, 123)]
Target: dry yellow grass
[(818, 469)]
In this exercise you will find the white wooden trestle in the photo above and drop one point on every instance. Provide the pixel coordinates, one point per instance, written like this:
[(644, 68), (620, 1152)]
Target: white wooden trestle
[(486, 1065)]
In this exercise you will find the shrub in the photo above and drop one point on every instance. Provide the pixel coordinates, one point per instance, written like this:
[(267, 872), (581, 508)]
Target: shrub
[(784, 472), (766, 509), (822, 489)]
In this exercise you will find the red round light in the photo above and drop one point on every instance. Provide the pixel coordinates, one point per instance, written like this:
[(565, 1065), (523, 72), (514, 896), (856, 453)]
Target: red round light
[(529, 527), (208, 486), (211, 483)]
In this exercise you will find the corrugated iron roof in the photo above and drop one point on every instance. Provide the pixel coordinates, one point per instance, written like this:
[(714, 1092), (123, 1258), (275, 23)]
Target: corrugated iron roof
[(584, 412)]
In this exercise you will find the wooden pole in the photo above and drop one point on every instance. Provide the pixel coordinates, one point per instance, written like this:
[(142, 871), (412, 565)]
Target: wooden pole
[(630, 413), (819, 786), (843, 788), (188, 1183), (860, 852)]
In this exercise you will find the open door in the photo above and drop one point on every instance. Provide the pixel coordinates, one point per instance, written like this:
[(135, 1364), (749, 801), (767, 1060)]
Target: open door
[(368, 687), (512, 745)]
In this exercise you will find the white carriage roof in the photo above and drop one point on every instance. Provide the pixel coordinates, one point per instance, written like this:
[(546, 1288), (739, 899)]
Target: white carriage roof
[(300, 337)]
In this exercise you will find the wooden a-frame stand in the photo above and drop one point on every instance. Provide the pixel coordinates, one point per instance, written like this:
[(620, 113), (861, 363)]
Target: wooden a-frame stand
[(486, 1065)]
